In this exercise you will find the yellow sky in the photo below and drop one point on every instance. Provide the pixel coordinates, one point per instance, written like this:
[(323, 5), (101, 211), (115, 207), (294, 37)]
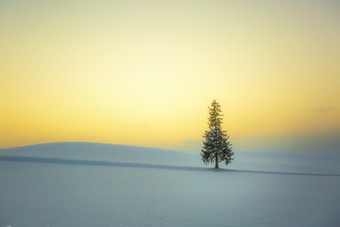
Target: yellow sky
[(143, 72)]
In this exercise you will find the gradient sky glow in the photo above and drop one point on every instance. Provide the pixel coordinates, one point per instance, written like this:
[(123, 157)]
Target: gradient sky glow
[(143, 72)]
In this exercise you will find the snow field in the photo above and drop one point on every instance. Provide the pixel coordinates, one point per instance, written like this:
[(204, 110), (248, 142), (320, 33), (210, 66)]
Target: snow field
[(285, 192)]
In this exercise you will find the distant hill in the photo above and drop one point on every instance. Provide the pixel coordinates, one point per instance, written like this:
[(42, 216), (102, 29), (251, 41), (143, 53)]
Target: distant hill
[(103, 152)]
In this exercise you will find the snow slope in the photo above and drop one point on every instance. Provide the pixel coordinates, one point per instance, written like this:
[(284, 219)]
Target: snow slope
[(89, 184), (101, 152)]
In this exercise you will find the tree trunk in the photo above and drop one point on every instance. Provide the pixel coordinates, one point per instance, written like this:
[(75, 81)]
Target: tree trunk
[(216, 162)]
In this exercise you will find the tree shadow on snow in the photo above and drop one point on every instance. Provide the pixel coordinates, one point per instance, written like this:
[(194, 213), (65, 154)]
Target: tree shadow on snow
[(148, 166)]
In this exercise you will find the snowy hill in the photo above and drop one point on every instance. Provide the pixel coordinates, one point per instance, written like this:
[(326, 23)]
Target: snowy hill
[(102, 152), (91, 184)]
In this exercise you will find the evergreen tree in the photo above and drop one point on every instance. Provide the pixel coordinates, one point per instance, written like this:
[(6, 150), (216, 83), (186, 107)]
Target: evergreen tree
[(216, 147)]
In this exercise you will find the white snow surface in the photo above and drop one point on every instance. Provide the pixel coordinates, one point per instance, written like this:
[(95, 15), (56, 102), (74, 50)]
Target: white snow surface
[(91, 184)]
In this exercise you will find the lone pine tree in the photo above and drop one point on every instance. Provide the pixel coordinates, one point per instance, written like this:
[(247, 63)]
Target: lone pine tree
[(216, 147)]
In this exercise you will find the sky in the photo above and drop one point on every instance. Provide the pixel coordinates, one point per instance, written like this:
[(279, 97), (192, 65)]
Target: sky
[(143, 73)]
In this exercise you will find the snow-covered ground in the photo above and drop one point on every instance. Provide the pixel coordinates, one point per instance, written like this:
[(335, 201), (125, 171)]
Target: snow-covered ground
[(89, 184)]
